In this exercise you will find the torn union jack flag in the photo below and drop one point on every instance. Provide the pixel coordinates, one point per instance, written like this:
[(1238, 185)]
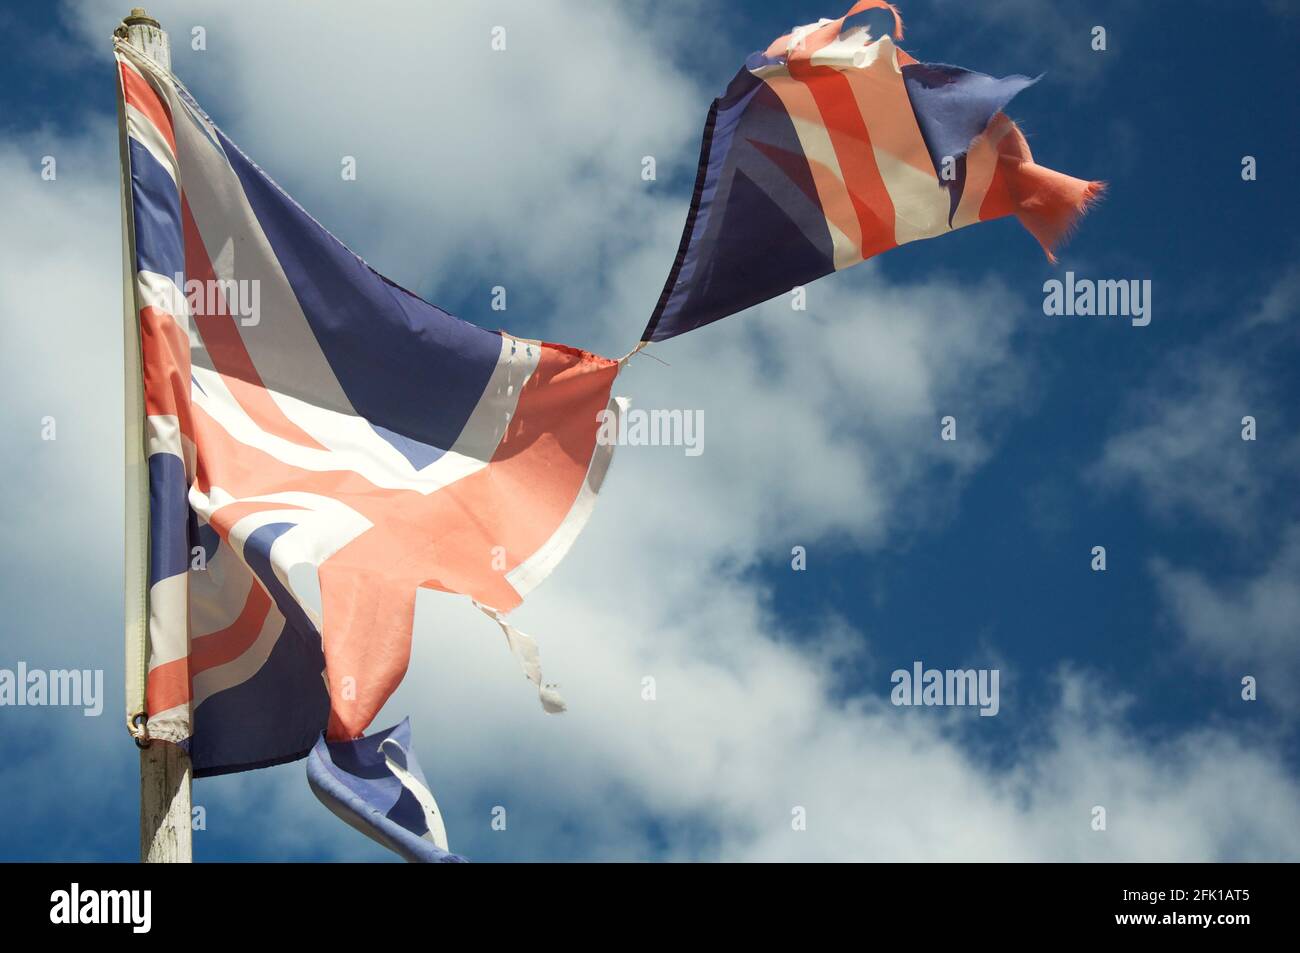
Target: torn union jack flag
[(321, 443), (834, 145)]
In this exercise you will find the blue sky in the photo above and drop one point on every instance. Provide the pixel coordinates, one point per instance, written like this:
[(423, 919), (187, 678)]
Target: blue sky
[(1119, 688)]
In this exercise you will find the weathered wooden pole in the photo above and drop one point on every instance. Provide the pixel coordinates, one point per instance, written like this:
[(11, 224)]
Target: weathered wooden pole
[(164, 767), (164, 804), (147, 35)]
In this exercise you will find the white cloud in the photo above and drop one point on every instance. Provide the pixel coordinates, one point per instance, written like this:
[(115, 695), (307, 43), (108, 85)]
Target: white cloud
[(1244, 626), (1182, 449), (1282, 300), (1025, 36), (60, 354), (1178, 440)]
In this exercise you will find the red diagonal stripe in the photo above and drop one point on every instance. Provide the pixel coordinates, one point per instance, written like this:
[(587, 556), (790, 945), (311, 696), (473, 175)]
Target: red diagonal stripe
[(142, 96)]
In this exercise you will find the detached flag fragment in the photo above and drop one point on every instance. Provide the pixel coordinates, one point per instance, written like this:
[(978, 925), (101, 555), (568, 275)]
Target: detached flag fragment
[(834, 145), (375, 785), (321, 444)]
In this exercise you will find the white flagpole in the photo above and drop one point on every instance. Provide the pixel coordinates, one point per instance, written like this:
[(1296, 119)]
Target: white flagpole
[(164, 767)]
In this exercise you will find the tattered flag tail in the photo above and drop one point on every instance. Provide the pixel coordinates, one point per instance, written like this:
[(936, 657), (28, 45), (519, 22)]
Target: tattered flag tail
[(834, 145), (375, 785)]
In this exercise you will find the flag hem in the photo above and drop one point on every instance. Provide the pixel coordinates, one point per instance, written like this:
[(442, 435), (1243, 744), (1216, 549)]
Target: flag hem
[(249, 766), (135, 588), (701, 176)]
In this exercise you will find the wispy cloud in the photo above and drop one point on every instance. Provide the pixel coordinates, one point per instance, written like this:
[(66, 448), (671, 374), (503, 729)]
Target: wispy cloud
[(1246, 626), (1179, 441)]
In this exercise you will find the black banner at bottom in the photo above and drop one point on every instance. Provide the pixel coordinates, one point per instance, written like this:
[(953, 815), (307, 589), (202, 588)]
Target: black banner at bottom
[(370, 902)]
